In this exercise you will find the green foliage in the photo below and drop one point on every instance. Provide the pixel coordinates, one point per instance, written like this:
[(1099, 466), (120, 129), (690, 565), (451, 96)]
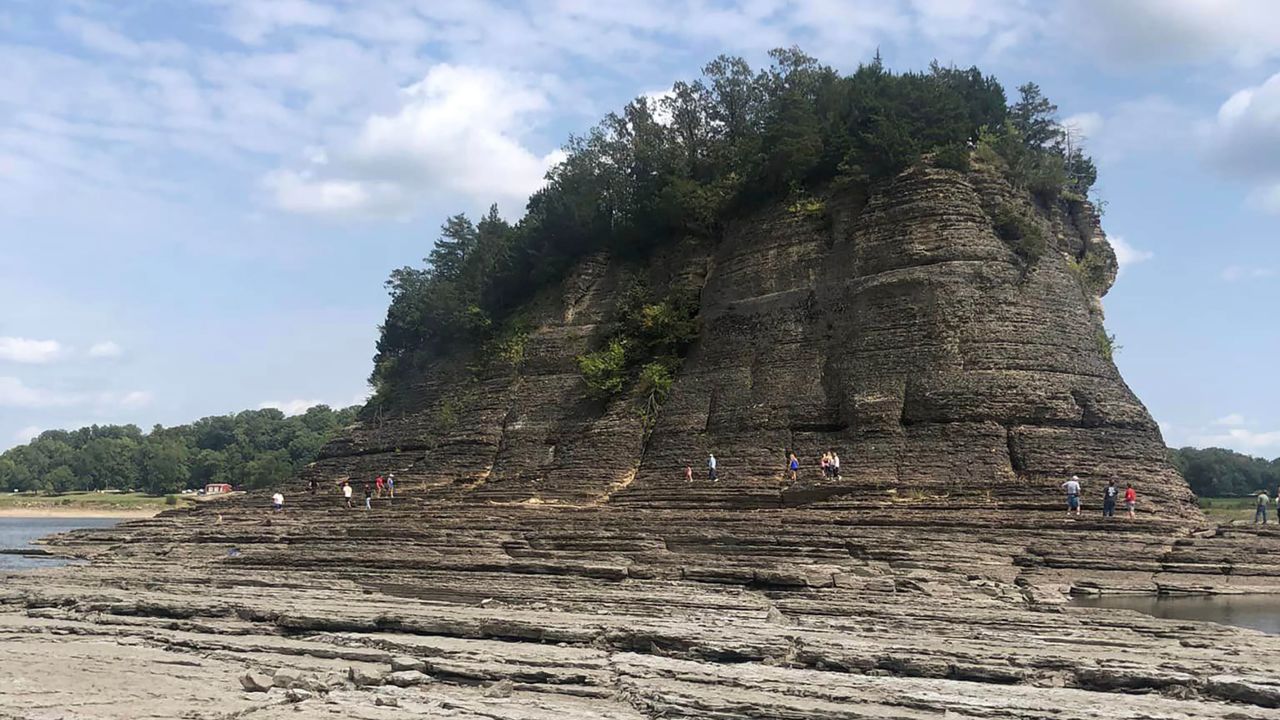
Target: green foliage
[(727, 143), (1091, 272), (171, 500), (1217, 472), (1107, 344), (952, 157), (254, 448), (1022, 233), (605, 370)]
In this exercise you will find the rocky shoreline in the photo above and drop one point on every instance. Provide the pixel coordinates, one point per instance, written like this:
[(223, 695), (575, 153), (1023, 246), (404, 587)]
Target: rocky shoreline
[(438, 608)]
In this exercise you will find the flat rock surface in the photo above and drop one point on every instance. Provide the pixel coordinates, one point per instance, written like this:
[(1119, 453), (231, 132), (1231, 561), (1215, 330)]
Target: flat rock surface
[(554, 611)]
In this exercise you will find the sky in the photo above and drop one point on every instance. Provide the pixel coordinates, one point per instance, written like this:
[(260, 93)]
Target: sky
[(200, 200)]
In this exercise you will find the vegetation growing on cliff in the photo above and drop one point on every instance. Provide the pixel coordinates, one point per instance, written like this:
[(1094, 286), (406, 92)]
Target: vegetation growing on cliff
[(257, 448), (708, 151)]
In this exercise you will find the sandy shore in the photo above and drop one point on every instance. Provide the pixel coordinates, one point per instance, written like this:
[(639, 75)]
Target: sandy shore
[(72, 512)]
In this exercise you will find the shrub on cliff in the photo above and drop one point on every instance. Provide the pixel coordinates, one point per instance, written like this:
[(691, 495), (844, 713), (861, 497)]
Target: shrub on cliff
[(1022, 233), (605, 370)]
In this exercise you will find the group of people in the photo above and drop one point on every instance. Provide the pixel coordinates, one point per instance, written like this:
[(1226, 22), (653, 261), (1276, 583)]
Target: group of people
[(830, 464), (379, 487), (1110, 494)]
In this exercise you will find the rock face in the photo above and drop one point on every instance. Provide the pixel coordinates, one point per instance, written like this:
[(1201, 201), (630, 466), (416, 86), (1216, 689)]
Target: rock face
[(902, 332)]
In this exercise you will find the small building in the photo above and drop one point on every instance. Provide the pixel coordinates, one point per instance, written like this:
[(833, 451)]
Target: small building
[(215, 488)]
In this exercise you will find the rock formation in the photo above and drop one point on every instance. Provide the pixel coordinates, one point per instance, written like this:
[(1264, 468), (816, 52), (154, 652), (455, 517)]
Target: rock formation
[(545, 559), (902, 332)]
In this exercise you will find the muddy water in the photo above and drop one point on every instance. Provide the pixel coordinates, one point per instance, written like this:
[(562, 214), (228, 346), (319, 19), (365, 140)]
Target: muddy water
[(1258, 612)]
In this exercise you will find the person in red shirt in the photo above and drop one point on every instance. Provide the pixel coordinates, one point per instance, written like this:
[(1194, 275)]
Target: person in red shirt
[(378, 484), (1130, 499)]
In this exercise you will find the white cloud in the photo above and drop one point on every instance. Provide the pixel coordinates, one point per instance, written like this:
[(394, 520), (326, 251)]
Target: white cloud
[(1085, 125), (291, 407), (459, 131), (1266, 198), (1245, 33), (106, 349), (1232, 420), (25, 350), (130, 400), (1235, 273), (15, 393), (27, 434), (1241, 439), (1245, 135), (1127, 254)]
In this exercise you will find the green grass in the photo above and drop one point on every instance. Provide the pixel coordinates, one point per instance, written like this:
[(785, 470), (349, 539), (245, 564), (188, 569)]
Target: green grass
[(86, 501), (1224, 510)]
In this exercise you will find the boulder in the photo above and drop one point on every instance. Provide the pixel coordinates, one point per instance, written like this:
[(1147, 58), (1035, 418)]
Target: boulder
[(256, 682), (404, 662), (408, 678), (363, 677)]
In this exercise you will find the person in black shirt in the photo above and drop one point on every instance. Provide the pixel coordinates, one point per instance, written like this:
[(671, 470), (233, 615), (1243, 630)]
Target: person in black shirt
[(1109, 499)]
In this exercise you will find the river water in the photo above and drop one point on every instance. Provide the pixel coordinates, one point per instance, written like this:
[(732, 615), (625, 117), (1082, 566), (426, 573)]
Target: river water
[(19, 532), (1258, 612)]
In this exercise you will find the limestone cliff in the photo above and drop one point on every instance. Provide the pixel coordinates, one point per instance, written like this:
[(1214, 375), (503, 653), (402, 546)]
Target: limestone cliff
[(945, 364)]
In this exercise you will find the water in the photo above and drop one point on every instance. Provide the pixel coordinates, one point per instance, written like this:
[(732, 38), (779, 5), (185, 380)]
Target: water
[(1258, 612), (19, 532)]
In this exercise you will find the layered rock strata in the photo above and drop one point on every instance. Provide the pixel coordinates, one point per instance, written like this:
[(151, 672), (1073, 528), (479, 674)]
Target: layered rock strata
[(425, 607), (902, 332)]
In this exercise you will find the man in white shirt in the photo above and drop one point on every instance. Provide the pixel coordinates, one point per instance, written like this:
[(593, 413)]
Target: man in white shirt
[(711, 467), (1260, 515), (277, 501), (1072, 488)]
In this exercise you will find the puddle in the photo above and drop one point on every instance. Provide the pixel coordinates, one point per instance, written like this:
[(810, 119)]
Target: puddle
[(1257, 612)]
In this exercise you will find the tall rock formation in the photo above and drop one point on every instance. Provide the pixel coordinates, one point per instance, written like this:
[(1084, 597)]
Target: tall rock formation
[(943, 355)]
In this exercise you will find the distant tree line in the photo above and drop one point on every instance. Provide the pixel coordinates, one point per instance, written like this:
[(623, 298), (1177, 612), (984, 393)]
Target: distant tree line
[(708, 151), (254, 448), (1217, 472)]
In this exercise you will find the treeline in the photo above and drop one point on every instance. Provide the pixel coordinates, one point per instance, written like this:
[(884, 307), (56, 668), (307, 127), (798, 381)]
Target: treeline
[(254, 448), (709, 150), (1217, 472)]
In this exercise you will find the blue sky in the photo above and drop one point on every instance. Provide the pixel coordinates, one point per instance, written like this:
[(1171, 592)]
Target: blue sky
[(200, 201)]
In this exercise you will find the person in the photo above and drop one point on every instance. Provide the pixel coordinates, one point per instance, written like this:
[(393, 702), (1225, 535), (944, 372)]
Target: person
[(379, 484), (1072, 488), (312, 485), (1130, 499), (391, 484), (1109, 496), (277, 501), (835, 465), (1260, 515), (794, 466), (688, 473), (825, 462), (368, 497), (711, 467), (346, 492)]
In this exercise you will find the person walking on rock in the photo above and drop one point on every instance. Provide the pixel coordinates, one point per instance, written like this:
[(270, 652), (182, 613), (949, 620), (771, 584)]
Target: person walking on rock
[(1110, 494), (391, 484), (825, 463), (312, 486), (346, 492), (379, 484), (277, 502), (835, 465), (368, 497), (1130, 499), (711, 467), (1260, 514), (1072, 488), (688, 473), (794, 466)]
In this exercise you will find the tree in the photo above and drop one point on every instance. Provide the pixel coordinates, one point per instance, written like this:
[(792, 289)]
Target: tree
[(164, 467), (1035, 117)]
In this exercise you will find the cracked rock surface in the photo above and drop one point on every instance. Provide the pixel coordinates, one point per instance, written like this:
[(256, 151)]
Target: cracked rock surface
[(429, 607)]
